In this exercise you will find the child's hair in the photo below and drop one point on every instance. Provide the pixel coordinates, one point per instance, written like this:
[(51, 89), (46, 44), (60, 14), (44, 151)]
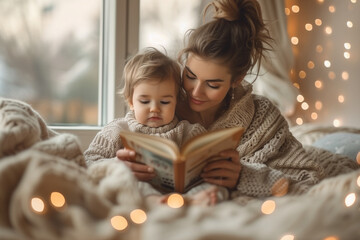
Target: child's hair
[(151, 64), (236, 37)]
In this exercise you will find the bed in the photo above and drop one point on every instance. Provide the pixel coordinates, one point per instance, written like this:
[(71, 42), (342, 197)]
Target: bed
[(47, 192)]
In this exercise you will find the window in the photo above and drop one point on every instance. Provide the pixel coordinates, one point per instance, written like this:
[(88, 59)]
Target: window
[(163, 24), (49, 57), (66, 62)]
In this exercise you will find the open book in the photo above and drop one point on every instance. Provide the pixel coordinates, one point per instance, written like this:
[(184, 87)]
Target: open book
[(178, 169)]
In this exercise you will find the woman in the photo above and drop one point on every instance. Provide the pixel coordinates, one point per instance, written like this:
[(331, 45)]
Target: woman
[(216, 59)]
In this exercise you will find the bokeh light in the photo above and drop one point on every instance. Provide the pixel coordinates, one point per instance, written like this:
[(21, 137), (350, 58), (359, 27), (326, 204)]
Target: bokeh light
[(138, 216), (350, 199), (268, 207), (57, 199), (37, 204), (288, 237), (175, 200), (119, 223)]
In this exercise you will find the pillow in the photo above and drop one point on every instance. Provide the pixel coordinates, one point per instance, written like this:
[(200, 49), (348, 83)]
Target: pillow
[(341, 143)]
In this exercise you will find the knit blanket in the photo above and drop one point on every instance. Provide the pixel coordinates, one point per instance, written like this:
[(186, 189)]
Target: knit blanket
[(47, 192)]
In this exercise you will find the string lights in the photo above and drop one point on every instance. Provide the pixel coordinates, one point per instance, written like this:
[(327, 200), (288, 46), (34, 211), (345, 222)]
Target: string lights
[(325, 52)]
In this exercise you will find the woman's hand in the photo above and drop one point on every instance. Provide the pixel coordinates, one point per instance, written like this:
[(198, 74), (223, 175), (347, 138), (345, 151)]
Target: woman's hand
[(224, 172), (142, 172)]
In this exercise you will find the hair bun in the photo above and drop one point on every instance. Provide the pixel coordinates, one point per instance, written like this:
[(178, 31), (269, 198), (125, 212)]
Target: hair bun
[(225, 9)]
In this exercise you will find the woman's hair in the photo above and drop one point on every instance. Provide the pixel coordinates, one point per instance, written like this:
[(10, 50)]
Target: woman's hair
[(236, 37), (151, 64)]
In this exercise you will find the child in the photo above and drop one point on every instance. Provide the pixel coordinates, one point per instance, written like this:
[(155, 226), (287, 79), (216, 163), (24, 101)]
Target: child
[(152, 84)]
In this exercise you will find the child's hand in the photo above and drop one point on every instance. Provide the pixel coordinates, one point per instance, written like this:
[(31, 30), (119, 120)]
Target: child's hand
[(142, 172), (223, 172)]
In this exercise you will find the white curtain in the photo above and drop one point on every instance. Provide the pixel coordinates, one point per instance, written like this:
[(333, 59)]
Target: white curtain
[(274, 80)]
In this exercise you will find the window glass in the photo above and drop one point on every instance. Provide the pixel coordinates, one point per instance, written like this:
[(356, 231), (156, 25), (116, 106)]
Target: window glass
[(49, 57), (163, 24)]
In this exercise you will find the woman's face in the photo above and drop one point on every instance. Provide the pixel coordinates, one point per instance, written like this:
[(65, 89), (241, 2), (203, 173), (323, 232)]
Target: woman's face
[(206, 84)]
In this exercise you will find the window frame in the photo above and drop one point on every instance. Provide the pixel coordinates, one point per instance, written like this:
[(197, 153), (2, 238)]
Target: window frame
[(119, 29)]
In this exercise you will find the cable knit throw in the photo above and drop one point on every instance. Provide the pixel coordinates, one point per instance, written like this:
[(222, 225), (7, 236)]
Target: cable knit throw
[(35, 162)]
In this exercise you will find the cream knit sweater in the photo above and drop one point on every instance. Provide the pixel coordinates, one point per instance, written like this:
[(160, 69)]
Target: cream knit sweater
[(269, 151)]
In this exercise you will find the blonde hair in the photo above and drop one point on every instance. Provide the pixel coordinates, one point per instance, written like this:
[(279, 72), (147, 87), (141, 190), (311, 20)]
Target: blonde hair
[(236, 37), (151, 64)]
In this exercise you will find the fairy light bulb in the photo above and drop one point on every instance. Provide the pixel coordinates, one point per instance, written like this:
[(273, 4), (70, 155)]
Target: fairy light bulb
[(119, 223), (331, 238), (318, 105), (319, 49), (341, 98), (287, 11), (332, 9), (328, 30), (57, 199), (295, 40), (314, 116), (327, 63), (302, 74), (295, 8), (300, 98), (175, 200), (305, 106), (288, 237), (349, 24), (347, 46), (299, 121), (318, 22), (345, 76), (38, 205), (350, 199), (308, 27), (310, 64), (332, 75), (346, 55), (318, 84), (358, 179), (336, 122), (268, 207), (138, 216)]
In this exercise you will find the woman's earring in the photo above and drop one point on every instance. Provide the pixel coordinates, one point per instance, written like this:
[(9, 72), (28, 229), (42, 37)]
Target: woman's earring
[(232, 94)]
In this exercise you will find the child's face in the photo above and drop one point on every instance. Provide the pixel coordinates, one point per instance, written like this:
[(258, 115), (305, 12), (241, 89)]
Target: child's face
[(154, 102)]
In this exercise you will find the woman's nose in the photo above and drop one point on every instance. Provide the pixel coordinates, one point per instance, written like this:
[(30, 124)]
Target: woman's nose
[(197, 90)]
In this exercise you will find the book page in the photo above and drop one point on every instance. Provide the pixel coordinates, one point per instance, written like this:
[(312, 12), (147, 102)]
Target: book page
[(207, 140), (163, 168), (206, 148), (159, 146)]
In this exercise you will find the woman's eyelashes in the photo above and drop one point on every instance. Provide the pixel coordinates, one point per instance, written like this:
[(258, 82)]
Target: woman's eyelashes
[(192, 77), (213, 86), (208, 83)]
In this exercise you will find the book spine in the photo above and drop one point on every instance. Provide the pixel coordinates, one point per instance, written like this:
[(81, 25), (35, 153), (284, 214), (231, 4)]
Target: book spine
[(179, 176)]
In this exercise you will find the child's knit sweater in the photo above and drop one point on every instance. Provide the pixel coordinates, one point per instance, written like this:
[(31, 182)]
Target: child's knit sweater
[(108, 141)]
